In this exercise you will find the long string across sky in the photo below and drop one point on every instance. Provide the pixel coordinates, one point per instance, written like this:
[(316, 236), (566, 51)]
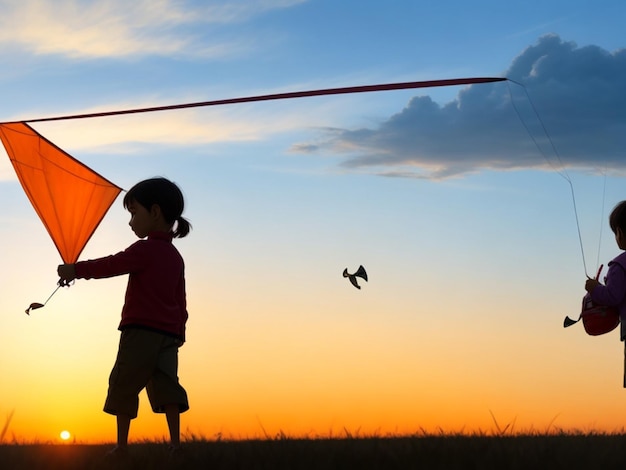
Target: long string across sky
[(278, 96)]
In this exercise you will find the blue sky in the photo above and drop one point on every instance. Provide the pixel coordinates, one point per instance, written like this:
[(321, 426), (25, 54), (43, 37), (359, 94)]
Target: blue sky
[(466, 228)]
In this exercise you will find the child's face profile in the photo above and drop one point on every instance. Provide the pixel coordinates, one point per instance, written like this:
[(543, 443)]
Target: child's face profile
[(620, 239), (141, 221)]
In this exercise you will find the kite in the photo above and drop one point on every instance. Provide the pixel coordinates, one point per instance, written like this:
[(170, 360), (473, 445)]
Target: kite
[(70, 198), (352, 277)]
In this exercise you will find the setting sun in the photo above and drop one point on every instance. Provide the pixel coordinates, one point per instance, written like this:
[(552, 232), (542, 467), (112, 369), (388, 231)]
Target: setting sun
[(65, 435)]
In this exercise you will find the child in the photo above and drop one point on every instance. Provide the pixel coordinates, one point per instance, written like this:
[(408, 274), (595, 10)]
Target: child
[(154, 313), (613, 292)]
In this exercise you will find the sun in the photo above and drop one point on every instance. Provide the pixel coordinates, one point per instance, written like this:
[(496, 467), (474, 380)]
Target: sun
[(65, 435)]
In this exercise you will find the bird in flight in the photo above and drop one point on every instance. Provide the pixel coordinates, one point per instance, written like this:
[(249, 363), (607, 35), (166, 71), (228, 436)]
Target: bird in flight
[(359, 273)]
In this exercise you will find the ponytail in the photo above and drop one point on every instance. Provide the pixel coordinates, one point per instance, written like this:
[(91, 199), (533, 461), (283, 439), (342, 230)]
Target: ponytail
[(182, 228)]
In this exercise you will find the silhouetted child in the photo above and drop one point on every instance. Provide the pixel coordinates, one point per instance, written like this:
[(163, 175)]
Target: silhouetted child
[(155, 310), (613, 292)]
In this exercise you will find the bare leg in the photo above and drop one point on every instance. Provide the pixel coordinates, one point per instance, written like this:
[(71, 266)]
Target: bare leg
[(172, 414), (123, 426)]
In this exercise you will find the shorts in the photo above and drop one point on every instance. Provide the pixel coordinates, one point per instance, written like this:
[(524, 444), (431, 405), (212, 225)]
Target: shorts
[(145, 359)]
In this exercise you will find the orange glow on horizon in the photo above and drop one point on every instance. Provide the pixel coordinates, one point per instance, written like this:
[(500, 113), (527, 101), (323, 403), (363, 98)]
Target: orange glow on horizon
[(283, 355)]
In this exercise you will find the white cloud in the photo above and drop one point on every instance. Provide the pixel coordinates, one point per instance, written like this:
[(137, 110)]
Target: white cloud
[(119, 28), (190, 127), (131, 134), (578, 93)]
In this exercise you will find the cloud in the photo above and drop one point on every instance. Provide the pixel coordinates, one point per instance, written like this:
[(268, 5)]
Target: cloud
[(121, 28), (180, 128), (134, 134), (577, 98)]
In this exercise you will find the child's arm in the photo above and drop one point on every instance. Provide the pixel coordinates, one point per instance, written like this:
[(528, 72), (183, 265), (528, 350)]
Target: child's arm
[(614, 290), (131, 259)]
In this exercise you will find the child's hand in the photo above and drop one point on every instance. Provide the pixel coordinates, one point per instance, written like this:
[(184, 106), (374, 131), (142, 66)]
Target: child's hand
[(67, 273), (591, 284)]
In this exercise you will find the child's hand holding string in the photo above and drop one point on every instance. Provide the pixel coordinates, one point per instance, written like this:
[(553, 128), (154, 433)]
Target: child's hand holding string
[(67, 273), (591, 284)]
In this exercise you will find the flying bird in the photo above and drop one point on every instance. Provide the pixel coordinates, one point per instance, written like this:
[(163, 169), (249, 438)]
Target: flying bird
[(359, 273)]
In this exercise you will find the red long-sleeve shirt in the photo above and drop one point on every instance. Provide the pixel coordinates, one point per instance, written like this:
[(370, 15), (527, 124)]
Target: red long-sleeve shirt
[(155, 295)]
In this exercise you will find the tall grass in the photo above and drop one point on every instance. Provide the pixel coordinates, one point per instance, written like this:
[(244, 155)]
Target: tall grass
[(498, 450), (7, 423), (501, 448)]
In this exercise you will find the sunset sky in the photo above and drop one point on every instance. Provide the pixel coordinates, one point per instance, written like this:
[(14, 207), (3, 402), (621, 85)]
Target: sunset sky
[(453, 199)]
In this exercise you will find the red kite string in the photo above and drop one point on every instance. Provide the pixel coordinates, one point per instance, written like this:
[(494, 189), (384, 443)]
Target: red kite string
[(282, 96)]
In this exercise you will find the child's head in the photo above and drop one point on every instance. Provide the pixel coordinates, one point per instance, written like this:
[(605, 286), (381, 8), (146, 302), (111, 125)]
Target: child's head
[(167, 196), (617, 222), (617, 219)]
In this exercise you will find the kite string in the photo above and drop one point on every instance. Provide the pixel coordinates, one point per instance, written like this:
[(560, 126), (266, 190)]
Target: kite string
[(279, 96), (561, 170), (601, 215)]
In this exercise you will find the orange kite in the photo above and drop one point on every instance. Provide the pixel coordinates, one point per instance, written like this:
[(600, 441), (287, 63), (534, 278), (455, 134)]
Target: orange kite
[(70, 198)]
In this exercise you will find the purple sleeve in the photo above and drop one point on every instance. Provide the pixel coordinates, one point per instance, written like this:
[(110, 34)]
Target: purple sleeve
[(614, 289)]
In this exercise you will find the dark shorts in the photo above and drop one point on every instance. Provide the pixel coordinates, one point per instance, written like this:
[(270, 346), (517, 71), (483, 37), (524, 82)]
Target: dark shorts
[(145, 359)]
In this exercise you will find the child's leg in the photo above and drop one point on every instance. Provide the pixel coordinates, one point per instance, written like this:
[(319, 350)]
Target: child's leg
[(123, 426), (165, 393), (172, 414)]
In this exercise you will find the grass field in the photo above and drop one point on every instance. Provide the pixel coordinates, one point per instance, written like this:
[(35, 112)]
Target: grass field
[(557, 451)]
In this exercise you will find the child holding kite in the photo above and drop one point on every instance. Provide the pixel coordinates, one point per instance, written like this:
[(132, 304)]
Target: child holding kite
[(154, 313), (613, 292)]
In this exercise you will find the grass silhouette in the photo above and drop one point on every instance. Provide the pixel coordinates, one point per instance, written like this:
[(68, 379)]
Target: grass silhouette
[(501, 448), (497, 450), (7, 423)]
